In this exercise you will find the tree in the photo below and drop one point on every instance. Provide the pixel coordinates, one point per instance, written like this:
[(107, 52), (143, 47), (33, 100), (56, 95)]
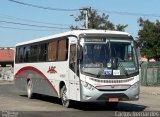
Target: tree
[(149, 37), (97, 21)]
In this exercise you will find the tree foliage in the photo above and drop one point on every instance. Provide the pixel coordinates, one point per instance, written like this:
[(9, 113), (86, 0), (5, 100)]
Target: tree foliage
[(97, 21), (149, 37)]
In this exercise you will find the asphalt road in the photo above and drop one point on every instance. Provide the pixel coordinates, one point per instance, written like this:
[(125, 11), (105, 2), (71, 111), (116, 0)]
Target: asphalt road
[(15, 102)]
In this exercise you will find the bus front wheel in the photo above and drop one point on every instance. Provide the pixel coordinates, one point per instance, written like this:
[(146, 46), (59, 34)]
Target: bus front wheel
[(65, 101)]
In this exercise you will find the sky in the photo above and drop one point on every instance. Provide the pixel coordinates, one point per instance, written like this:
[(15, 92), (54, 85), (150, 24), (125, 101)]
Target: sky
[(119, 11)]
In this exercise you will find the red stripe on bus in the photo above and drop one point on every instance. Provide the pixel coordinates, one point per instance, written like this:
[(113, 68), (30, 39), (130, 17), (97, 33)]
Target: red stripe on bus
[(38, 72)]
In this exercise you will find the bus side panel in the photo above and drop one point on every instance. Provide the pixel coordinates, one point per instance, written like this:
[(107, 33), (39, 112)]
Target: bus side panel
[(41, 86), (21, 83), (41, 83)]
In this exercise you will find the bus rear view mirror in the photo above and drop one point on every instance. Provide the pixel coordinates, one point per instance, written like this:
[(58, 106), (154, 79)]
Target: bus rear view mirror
[(79, 52), (137, 44)]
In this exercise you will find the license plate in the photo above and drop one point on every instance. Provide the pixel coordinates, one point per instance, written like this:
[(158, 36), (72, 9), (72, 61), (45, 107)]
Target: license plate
[(113, 100)]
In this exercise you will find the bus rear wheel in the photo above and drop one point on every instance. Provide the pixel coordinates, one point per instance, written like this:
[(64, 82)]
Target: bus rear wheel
[(30, 89), (65, 101)]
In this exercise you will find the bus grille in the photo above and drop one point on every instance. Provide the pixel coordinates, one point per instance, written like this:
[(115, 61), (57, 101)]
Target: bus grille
[(120, 96), (112, 80)]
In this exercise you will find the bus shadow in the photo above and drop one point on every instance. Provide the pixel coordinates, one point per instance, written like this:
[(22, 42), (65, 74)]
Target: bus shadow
[(45, 98), (103, 107), (92, 106)]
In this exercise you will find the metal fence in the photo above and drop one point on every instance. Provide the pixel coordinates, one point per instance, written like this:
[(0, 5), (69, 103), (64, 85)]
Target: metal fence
[(150, 73)]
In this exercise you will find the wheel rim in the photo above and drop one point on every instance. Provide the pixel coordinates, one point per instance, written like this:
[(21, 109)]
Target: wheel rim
[(29, 89)]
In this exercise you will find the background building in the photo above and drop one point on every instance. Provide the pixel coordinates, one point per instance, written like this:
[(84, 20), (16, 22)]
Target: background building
[(6, 57)]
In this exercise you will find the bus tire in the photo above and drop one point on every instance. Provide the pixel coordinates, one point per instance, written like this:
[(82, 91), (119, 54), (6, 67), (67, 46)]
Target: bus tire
[(30, 89), (65, 101)]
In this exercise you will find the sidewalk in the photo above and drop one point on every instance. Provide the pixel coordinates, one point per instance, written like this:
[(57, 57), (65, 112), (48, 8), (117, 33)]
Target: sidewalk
[(6, 82), (150, 90)]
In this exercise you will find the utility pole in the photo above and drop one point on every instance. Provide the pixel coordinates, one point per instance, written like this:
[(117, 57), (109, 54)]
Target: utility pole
[(86, 19), (86, 13), (86, 10)]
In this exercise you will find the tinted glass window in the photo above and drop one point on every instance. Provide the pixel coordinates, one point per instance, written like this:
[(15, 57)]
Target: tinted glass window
[(62, 50), (43, 52), (34, 53), (52, 51)]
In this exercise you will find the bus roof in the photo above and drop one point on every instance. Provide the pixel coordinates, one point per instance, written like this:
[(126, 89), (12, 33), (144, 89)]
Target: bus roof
[(76, 33)]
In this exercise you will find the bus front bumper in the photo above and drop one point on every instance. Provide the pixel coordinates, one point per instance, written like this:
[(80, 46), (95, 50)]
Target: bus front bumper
[(91, 94)]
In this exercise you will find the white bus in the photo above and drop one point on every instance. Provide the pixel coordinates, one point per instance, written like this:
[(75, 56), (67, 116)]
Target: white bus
[(80, 65)]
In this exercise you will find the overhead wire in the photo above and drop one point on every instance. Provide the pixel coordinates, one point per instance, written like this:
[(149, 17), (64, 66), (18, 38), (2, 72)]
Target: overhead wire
[(33, 25), (25, 29), (59, 9), (107, 11), (42, 7), (28, 20), (129, 13)]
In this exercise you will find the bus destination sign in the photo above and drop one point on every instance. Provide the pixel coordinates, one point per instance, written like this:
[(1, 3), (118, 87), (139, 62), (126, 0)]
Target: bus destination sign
[(95, 40)]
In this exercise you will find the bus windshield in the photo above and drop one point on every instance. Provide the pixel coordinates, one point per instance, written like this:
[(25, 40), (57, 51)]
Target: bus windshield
[(109, 58)]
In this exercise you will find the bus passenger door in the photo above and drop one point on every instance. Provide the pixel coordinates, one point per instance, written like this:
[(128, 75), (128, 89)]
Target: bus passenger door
[(73, 78)]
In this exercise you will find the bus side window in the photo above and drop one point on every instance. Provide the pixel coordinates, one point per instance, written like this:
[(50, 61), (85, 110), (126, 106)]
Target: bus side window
[(43, 52), (52, 51), (17, 55), (62, 50), (21, 55), (72, 59)]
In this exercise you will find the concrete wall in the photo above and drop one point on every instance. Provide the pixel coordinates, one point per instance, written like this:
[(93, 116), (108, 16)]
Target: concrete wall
[(6, 73)]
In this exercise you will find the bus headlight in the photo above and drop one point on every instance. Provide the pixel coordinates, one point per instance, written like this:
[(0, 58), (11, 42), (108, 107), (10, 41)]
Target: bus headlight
[(135, 85), (87, 85)]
